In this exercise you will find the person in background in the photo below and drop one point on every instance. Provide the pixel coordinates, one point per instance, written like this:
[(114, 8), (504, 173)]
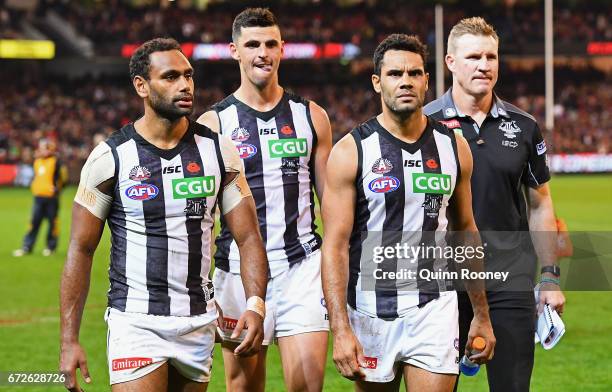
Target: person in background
[(50, 175)]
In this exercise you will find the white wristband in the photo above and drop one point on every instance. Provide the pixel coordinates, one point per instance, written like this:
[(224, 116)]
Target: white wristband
[(257, 305)]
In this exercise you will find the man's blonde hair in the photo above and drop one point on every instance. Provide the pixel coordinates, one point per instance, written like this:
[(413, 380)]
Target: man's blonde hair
[(475, 26)]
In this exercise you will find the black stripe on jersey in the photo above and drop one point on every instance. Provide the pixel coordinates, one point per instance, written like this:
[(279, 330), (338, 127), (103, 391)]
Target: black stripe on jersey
[(360, 226), (291, 189), (117, 295), (154, 211), (428, 290), (386, 290), (196, 206)]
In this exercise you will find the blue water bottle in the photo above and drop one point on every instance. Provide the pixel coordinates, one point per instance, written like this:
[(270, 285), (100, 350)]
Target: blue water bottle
[(468, 367)]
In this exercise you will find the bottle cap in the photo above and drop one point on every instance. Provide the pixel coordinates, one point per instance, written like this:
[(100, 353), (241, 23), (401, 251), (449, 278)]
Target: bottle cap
[(479, 343)]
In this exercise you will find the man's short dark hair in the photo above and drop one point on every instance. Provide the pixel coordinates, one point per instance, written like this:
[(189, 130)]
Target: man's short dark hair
[(409, 43), (252, 17), (140, 62)]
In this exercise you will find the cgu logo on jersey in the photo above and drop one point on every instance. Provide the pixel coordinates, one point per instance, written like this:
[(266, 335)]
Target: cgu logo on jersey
[(384, 184), (189, 188), (431, 183), (240, 134), (382, 166), (246, 150), (288, 148), (139, 173), (142, 192), (509, 128)]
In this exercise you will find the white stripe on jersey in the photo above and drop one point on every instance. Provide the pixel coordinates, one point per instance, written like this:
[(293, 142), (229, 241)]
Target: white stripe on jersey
[(177, 242), (303, 130), (136, 255)]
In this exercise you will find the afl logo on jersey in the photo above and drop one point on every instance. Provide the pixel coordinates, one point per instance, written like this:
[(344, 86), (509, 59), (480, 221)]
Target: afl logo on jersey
[(382, 166), (240, 134), (384, 184), (142, 192), (246, 150)]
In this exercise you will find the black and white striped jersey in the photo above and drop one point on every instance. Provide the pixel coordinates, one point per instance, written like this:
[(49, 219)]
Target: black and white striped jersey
[(161, 221), (403, 191), (276, 148)]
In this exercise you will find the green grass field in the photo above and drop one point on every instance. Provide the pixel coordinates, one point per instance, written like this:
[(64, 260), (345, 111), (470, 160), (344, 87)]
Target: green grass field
[(29, 288)]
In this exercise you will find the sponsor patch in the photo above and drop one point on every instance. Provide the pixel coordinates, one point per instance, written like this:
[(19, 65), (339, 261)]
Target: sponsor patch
[(130, 363), (193, 187), (142, 192), (509, 128), (456, 344), (384, 184), (370, 362), (382, 166), (193, 167), (229, 323), (541, 147), (431, 183), (246, 150), (451, 124), (288, 148), (290, 165), (240, 134), (139, 173)]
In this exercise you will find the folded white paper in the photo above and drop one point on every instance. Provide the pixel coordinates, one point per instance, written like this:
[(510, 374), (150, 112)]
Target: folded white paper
[(549, 327)]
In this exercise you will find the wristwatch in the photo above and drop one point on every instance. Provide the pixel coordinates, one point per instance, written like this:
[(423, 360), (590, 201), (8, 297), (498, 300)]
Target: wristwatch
[(552, 269)]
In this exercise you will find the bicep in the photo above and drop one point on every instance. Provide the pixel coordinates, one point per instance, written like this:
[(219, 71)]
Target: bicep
[(86, 229), (539, 196), (242, 220), (338, 205), (323, 147)]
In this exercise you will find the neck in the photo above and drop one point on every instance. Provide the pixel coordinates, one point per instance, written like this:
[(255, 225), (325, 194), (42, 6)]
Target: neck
[(471, 105), (261, 99), (408, 128), (159, 131)]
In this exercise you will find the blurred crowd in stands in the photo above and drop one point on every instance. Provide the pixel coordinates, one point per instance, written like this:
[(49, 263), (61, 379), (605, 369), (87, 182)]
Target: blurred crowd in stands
[(112, 23), (79, 114)]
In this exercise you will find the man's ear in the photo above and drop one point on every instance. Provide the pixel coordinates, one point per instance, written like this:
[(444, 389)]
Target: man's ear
[(376, 83), (449, 59), (141, 86), (234, 51)]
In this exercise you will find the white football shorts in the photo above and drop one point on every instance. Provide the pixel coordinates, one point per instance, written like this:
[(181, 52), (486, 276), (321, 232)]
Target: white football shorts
[(294, 301)]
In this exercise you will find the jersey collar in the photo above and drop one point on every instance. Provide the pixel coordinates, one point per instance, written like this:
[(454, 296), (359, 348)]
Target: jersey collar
[(449, 110)]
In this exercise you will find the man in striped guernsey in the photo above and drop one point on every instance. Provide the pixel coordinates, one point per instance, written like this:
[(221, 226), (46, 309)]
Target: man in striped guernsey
[(284, 141), (398, 179), (157, 181)]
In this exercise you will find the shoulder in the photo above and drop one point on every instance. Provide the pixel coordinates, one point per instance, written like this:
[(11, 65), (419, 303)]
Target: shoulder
[(518, 114), (119, 137), (434, 108), (201, 129), (223, 104), (365, 129)]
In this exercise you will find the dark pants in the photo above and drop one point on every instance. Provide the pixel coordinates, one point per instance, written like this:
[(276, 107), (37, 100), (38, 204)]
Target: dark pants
[(513, 319), (44, 208)]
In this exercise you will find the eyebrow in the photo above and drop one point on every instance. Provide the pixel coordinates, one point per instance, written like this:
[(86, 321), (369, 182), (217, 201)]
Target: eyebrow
[(175, 72)]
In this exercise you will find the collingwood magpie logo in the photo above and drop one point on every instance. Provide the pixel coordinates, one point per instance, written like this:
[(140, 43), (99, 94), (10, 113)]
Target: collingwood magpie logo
[(195, 209), (509, 128), (432, 205)]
